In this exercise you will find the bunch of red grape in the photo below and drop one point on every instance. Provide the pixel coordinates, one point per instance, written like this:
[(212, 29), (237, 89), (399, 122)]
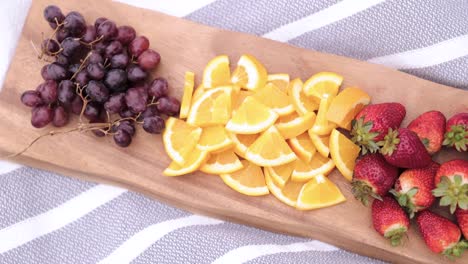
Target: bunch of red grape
[(99, 71)]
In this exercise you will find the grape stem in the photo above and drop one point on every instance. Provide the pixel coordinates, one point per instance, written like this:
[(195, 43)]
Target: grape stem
[(90, 44), (82, 65)]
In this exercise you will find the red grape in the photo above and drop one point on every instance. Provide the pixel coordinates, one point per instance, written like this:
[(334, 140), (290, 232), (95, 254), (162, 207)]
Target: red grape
[(138, 45), (92, 111), (119, 61), (115, 104), (151, 110), (50, 46), (62, 60), (149, 59), (95, 71), (116, 80), (62, 35), (44, 73), (41, 116), (136, 99), (126, 113), (97, 91), (97, 132), (60, 117), (125, 34), (95, 58), (122, 138), (52, 12), (76, 105), (153, 124), (70, 45), (100, 47), (89, 35), (66, 92), (126, 125), (168, 105), (31, 98), (114, 47), (82, 78), (75, 23), (158, 88), (56, 72), (99, 21), (136, 74), (48, 91), (107, 29)]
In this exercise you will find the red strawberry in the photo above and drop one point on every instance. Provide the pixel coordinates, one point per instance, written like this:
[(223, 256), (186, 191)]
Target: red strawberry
[(372, 176), (413, 189), (456, 133), (462, 220), (389, 219), (440, 235), (430, 128), (372, 123), (451, 181), (402, 148)]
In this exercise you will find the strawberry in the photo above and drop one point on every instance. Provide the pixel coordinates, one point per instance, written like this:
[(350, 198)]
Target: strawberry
[(456, 132), (413, 189), (451, 183), (430, 128), (440, 234), (389, 219), (402, 148), (462, 220), (372, 123), (373, 176)]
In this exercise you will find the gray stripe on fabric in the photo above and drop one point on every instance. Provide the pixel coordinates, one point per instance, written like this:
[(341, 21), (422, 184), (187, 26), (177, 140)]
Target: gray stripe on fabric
[(204, 244), (390, 27), (452, 73), (307, 257), (96, 235), (256, 17), (27, 192)]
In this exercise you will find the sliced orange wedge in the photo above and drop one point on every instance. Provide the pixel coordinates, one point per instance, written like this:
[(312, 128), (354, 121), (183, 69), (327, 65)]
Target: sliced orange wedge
[(217, 72), (194, 161), (249, 73), (302, 103), (303, 147), (221, 163), (197, 93), (273, 97), (346, 105), (281, 174), (323, 85), (270, 149), (249, 180), (212, 108), (214, 139), (343, 153), (319, 192), (305, 171), (189, 82), (180, 139), (321, 143), (293, 125), (322, 126), (251, 117), (242, 142), (287, 194), (280, 80)]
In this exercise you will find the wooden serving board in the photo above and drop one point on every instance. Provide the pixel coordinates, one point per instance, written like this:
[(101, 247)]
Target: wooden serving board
[(188, 46)]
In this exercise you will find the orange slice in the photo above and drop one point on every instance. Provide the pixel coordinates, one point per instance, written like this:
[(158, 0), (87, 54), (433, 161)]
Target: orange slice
[(343, 153), (305, 171), (249, 180), (287, 194), (323, 85), (273, 97), (270, 149), (319, 192), (194, 161), (197, 93), (293, 125), (217, 72), (346, 105), (240, 98), (280, 80), (249, 73), (322, 126), (189, 82), (251, 117), (180, 139), (214, 138), (281, 174), (242, 142), (321, 143), (221, 163), (303, 147), (302, 103), (212, 108)]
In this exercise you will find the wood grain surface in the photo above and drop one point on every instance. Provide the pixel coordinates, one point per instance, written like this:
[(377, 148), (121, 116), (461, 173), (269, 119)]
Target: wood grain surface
[(189, 46)]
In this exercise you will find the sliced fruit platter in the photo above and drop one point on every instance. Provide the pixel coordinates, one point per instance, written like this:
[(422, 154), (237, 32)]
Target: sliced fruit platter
[(354, 154)]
